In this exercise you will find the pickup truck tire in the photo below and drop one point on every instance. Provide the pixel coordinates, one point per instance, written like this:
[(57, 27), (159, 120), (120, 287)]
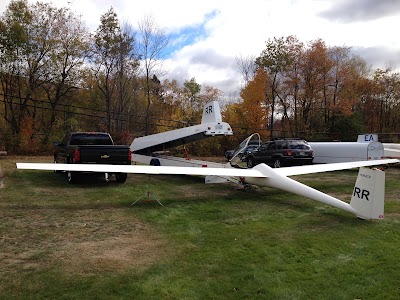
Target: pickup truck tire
[(72, 177), (121, 177)]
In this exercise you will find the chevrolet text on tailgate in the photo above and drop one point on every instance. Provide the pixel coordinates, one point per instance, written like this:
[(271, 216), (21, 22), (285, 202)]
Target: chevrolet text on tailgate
[(91, 148)]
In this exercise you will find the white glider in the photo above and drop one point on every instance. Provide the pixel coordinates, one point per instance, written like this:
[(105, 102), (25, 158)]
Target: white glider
[(367, 200)]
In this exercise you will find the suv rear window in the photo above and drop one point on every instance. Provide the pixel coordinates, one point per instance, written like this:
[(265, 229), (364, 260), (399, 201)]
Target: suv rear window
[(301, 145), (281, 145)]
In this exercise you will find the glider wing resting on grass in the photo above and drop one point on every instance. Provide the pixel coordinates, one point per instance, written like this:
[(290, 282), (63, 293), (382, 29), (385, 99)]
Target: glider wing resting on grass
[(367, 201)]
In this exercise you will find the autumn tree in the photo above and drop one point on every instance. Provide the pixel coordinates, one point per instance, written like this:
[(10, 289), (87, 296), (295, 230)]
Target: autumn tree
[(152, 44), (254, 109), (115, 67), (386, 99), (311, 88), (127, 77), (208, 93), (43, 49), (289, 96), (251, 113), (68, 57), (247, 67), (15, 41), (315, 68), (191, 99), (276, 60), (170, 105)]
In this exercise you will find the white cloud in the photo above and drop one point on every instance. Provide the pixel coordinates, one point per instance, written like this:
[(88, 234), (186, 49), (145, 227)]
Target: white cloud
[(229, 28)]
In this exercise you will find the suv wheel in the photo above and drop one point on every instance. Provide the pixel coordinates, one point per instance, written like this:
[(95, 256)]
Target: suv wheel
[(250, 162), (277, 163)]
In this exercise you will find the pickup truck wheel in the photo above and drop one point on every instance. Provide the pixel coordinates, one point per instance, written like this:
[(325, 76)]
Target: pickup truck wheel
[(121, 177), (250, 162), (72, 177)]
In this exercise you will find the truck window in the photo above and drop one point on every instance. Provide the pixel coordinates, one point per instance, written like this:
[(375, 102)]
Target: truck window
[(90, 139)]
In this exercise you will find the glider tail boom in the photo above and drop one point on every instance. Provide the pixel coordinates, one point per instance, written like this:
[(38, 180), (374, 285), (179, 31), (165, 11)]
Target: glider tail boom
[(369, 193), (367, 199)]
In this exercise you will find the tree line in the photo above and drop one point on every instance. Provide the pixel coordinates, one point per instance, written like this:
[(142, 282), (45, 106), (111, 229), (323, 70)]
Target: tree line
[(56, 77), (316, 92)]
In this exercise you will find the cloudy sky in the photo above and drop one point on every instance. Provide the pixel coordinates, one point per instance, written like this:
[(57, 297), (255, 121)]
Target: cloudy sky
[(206, 36)]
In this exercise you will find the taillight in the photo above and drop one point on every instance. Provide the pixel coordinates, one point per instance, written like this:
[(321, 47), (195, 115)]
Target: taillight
[(77, 155), (129, 155), (288, 152)]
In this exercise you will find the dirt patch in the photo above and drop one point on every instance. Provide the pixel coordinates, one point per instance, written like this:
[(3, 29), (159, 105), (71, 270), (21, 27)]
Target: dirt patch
[(82, 242), (113, 253)]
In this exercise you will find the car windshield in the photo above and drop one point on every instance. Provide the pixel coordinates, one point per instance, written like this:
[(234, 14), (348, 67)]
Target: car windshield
[(298, 145)]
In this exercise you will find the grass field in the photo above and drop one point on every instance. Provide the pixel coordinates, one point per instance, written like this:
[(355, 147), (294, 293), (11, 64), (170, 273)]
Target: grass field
[(86, 241)]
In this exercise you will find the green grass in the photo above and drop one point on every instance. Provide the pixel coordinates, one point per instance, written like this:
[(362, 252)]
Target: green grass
[(87, 241)]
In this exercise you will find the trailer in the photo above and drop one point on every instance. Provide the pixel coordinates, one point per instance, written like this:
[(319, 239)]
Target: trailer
[(211, 125), (337, 152), (391, 150), (153, 149), (163, 159)]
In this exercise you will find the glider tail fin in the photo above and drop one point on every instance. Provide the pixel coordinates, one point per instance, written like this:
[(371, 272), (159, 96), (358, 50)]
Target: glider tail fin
[(211, 113), (369, 193)]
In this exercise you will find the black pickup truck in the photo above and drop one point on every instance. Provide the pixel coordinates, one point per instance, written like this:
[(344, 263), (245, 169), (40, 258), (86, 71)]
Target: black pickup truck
[(91, 148)]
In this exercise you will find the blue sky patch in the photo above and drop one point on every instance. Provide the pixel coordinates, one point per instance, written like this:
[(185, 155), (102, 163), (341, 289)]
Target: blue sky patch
[(188, 35)]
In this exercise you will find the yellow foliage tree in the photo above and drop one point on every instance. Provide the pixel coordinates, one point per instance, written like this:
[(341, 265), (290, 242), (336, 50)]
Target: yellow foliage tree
[(251, 115)]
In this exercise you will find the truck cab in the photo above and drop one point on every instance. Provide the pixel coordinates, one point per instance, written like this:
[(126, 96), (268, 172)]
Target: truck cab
[(91, 148)]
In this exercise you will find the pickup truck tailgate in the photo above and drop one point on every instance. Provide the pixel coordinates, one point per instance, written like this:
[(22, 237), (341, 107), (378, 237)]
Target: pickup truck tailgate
[(98, 154)]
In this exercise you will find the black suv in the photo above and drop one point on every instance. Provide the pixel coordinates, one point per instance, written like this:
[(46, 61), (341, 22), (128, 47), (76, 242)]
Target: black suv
[(243, 153), (281, 152)]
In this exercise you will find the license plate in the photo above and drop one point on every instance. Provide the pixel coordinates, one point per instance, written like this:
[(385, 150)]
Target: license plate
[(218, 127), (302, 153)]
